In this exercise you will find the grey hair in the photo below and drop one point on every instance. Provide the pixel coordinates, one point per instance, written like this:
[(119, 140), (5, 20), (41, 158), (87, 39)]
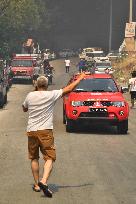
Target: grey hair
[(42, 82)]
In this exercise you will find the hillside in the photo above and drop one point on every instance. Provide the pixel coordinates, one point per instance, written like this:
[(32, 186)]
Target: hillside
[(123, 68)]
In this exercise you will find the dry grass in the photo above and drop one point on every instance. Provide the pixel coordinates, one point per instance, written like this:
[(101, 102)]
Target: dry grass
[(123, 68)]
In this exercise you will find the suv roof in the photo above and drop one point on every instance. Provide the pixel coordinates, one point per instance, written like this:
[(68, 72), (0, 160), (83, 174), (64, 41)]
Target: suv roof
[(97, 76)]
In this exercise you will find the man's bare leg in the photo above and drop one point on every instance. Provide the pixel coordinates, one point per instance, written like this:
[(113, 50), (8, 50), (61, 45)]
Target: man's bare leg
[(47, 170), (35, 171)]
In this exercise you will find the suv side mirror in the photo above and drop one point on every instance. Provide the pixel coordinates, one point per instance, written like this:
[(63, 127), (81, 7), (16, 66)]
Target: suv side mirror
[(124, 89)]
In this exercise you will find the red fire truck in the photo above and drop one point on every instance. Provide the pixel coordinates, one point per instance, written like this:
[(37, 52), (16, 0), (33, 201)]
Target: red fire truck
[(22, 66)]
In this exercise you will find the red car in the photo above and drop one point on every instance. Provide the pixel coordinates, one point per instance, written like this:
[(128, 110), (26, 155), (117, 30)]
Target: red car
[(96, 100)]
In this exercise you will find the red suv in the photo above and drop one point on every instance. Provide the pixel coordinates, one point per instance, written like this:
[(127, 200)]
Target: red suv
[(96, 100)]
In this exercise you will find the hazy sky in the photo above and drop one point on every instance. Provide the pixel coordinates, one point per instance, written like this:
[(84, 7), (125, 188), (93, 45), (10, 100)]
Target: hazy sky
[(86, 22)]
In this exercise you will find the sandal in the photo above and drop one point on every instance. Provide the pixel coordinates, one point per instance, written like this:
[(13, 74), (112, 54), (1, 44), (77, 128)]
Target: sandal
[(45, 189), (36, 189)]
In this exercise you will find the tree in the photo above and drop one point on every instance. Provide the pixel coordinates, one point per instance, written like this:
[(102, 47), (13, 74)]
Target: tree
[(4, 4), (19, 19)]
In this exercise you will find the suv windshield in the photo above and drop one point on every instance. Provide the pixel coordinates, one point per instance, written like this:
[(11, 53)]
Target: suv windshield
[(99, 54), (96, 85), (89, 54), (22, 63)]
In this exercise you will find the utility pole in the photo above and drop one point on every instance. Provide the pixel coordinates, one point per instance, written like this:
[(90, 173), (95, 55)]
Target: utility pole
[(110, 31), (131, 11)]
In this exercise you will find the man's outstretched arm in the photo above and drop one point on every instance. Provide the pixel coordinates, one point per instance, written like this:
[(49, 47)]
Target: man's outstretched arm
[(70, 87)]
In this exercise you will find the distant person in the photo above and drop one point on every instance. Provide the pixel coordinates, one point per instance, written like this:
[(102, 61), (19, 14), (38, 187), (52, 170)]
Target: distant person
[(36, 73), (67, 64), (46, 64), (132, 88), (40, 105), (46, 56), (82, 65)]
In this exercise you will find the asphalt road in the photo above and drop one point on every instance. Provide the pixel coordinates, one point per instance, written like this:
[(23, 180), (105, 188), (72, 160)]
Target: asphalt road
[(93, 167)]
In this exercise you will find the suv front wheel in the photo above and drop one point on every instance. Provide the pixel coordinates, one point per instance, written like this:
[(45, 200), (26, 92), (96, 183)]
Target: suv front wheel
[(64, 116), (122, 127), (70, 125)]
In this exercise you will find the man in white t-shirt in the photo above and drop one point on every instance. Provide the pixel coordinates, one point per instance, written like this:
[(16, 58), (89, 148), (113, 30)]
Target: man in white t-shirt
[(67, 64), (46, 56), (36, 73), (40, 105), (132, 87)]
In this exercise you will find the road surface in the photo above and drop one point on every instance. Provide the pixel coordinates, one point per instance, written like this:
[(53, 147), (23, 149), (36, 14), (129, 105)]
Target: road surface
[(93, 167)]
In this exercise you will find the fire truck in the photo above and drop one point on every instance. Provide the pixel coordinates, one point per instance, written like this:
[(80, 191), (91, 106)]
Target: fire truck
[(22, 66)]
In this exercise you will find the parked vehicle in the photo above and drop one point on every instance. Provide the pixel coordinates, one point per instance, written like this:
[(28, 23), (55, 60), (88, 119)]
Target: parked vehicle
[(88, 53), (114, 55), (89, 56), (96, 100), (3, 85), (8, 74), (103, 67)]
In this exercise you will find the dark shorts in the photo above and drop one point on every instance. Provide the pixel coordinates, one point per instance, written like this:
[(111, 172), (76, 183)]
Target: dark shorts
[(67, 67), (35, 77), (133, 94), (82, 68), (42, 140)]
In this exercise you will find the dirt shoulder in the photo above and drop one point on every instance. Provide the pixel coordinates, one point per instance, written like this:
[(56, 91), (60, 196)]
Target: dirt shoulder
[(123, 68)]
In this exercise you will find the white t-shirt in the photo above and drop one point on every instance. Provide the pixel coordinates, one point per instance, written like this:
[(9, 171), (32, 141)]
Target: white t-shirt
[(67, 62), (40, 106), (36, 71), (132, 83), (46, 56)]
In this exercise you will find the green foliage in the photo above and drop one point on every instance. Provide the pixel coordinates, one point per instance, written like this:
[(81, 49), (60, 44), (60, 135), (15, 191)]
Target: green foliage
[(20, 19), (4, 4)]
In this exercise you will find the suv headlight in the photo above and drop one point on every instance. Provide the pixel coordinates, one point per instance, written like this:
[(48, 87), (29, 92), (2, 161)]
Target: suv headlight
[(77, 103), (118, 103)]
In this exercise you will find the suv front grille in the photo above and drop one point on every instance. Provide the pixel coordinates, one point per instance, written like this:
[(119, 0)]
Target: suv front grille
[(95, 112), (103, 103), (106, 103), (21, 73), (88, 103)]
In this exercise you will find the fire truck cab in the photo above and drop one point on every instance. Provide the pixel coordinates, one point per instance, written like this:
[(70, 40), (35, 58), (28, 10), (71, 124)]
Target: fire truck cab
[(22, 66)]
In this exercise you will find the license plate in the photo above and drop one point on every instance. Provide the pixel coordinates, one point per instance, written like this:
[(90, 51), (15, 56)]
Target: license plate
[(98, 110)]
